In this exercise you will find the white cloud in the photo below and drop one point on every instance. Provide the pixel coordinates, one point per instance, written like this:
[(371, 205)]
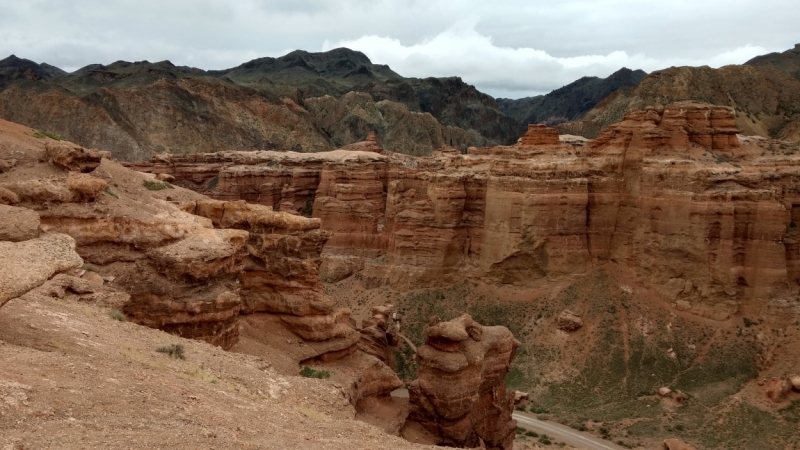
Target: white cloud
[(535, 45), (514, 72)]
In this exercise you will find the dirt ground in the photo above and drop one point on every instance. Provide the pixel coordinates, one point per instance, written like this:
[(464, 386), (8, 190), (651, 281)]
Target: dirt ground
[(72, 377)]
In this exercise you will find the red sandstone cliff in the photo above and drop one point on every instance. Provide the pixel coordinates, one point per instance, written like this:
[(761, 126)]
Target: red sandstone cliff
[(670, 192)]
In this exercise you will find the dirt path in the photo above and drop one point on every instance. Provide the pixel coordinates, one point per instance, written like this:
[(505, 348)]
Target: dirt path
[(563, 433)]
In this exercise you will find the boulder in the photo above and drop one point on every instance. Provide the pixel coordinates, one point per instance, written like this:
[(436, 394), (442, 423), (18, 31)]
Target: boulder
[(778, 389), (569, 321), (795, 380), (664, 391), (73, 157), (8, 197), (26, 265), (86, 187), (93, 278), (676, 444), (18, 224)]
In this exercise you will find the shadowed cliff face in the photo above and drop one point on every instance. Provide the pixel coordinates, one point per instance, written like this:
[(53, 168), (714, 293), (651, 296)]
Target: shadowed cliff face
[(570, 102), (669, 192), (305, 102)]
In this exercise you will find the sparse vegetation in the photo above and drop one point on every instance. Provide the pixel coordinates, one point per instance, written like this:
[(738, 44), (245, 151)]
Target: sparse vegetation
[(41, 134), (213, 183), (308, 372), (108, 191), (118, 315), (156, 185), (175, 351)]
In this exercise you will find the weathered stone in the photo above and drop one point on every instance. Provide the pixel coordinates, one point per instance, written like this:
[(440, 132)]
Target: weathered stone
[(459, 398), (18, 224), (26, 265), (569, 321)]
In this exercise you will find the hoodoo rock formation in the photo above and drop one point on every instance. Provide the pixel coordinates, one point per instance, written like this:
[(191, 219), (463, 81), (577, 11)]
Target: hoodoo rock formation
[(704, 217), (459, 398)]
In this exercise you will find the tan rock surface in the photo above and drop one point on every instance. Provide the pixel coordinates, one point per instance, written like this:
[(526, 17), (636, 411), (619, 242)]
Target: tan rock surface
[(676, 444), (26, 265), (18, 224), (569, 321)]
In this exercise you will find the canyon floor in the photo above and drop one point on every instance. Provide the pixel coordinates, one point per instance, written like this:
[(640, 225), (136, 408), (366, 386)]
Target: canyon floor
[(603, 378)]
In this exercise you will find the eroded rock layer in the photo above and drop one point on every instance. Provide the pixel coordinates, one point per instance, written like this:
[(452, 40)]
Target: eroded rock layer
[(459, 397), (184, 263), (704, 216)]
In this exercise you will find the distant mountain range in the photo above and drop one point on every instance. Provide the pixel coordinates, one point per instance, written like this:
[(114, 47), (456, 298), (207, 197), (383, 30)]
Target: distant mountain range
[(319, 101), (764, 92), (301, 101), (570, 102)]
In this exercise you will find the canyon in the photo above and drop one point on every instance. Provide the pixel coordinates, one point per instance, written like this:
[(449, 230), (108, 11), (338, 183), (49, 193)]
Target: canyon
[(699, 214), (660, 257)]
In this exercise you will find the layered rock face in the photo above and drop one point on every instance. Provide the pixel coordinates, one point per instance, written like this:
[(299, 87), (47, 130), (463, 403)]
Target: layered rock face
[(459, 398), (187, 264), (280, 275), (669, 192)]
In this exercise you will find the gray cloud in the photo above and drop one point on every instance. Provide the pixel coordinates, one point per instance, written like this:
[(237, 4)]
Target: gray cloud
[(508, 48)]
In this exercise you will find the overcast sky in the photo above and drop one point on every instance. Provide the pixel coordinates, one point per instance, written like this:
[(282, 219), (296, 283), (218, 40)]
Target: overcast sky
[(507, 48)]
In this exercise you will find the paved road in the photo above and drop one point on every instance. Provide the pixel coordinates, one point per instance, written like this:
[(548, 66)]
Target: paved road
[(558, 432)]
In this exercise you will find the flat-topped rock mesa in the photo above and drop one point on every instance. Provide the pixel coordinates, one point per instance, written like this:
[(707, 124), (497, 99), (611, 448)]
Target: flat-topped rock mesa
[(703, 216), (459, 398)]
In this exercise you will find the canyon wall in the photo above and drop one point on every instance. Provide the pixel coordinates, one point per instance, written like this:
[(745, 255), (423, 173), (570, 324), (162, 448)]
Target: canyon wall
[(706, 218)]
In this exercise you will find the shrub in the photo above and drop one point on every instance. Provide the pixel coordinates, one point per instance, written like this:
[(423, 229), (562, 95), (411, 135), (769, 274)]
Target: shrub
[(308, 372), (118, 315), (175, 351), (213, 183), (748, 323), (520, 430), (156, 185), (532, 434), (41, 134), (108, 191)]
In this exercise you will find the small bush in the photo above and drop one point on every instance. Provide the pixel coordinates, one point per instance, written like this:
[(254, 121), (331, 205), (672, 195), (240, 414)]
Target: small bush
[(308, 372), (118, 315), (213, 183), (531, 434), (41, 134), (175, 351), (156, 185), (108, 191), (520, 430), (748, 323)]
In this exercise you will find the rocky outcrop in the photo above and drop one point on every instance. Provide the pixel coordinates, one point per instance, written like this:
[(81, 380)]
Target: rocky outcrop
[(676, 444), (778, 389), (569, 321), (459, 398), (670, 192), (27, 265), (188, 265), (379, 334), (280, 274), (18, 224)]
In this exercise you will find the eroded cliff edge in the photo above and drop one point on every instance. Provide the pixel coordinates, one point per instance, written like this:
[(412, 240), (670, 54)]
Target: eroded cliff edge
[(706, 217)]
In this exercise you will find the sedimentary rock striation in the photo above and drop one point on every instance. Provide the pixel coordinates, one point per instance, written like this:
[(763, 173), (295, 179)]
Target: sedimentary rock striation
[(459, 398), (187, 264), (708, 219)]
